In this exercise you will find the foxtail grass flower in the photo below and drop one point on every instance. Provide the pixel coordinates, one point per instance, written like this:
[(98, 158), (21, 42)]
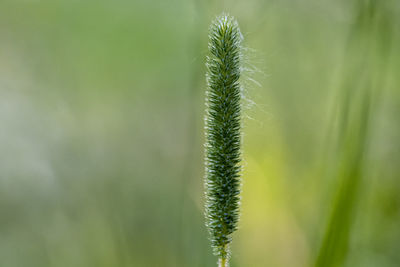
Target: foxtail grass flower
[(223, 134)]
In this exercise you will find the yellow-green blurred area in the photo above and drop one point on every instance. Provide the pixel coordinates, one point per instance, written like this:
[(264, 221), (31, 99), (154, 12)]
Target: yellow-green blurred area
[(101, 132)]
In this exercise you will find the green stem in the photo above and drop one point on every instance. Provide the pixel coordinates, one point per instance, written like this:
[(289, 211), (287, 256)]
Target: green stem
[(223, 262)]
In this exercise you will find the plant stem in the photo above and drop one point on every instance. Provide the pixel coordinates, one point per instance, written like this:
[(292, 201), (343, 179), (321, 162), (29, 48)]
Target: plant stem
[(223, 262)]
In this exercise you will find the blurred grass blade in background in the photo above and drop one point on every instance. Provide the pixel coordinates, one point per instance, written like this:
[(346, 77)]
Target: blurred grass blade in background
[(363, 82)]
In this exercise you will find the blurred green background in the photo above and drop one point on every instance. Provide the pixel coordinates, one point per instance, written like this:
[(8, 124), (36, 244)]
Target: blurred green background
[(101, 133)]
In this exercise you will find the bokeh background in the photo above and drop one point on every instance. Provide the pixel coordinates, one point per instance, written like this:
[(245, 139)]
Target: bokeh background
[(101, 133)]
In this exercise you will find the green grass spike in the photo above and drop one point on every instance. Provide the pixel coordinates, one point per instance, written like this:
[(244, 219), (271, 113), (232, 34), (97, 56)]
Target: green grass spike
[(223, 134)]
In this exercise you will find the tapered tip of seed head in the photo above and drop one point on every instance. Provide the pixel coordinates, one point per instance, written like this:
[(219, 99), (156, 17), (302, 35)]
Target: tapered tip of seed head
[(226, 22), (224, 36), (225, 19)]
